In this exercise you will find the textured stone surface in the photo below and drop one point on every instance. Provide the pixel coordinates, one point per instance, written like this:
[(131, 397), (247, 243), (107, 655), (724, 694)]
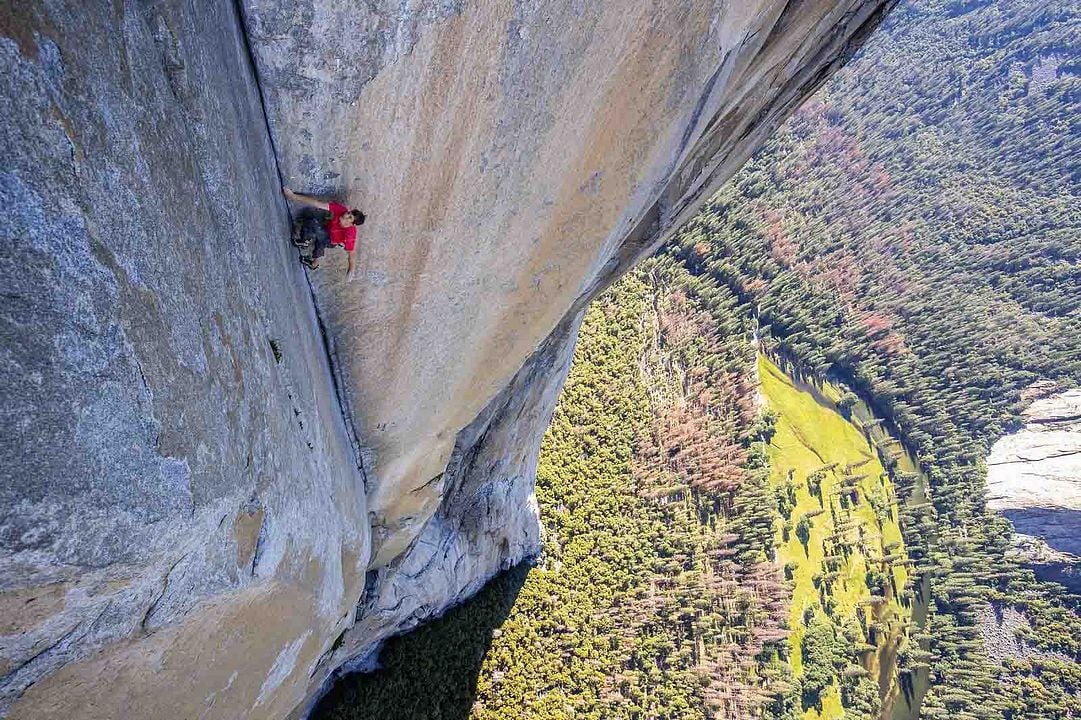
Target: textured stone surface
[(1034, 479), (185, 528), (513, 157), (487, 521), (176, 508)]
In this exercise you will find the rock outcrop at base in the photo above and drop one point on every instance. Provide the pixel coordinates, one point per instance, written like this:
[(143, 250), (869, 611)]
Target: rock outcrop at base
[(1034, 479), (215, 491)]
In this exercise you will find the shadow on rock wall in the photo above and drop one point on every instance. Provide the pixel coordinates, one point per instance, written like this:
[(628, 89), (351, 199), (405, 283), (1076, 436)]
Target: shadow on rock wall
[(1059, 527), (431, 673)]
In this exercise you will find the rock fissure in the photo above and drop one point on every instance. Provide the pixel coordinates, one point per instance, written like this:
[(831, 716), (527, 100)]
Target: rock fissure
[(340, 395), (157, 599), (43, 651), (327, 341), (252, 68), (1024, 460), (1055, 420)]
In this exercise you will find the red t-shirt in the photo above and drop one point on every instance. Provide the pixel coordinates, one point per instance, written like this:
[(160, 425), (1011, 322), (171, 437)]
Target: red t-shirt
[(338, 234)]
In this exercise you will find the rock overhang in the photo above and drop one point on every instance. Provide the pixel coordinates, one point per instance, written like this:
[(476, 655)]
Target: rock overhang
[(513, 160)]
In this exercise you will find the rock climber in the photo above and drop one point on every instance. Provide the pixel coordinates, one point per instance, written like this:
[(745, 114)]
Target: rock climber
[(314, 234)]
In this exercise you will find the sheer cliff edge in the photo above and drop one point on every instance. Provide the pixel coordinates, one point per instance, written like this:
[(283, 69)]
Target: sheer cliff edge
[(220, 484)]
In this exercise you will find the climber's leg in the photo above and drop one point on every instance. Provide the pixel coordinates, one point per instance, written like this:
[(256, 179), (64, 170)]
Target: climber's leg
[(297, 234), (307, 227), (310, 235), (319, 245)]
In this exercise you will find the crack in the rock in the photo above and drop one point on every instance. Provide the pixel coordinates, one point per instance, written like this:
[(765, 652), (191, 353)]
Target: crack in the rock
[(1056, 420), (67, 634), (327, 342), (164, 587), (1025, 460), (66, 637)]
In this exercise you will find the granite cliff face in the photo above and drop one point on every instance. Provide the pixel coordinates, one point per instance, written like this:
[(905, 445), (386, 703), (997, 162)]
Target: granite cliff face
[(218, 486), (513, 158), (181, 514)]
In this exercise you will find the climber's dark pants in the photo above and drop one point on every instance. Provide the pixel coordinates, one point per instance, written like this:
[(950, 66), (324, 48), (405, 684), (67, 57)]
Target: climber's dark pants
[(313, 232)]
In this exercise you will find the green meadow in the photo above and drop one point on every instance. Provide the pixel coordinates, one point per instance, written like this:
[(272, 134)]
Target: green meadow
[(840, 544)]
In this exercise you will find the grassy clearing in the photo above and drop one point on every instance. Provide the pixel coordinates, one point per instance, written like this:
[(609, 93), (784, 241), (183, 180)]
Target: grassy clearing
[(839, 539)]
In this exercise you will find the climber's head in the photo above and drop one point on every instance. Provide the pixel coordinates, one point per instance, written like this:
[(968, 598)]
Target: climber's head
[(351, 218)]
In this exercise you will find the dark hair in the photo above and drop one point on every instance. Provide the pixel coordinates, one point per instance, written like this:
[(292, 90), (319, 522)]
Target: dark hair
[(358, 216)]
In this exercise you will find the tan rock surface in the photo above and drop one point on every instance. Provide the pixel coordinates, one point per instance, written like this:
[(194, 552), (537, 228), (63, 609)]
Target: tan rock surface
[(512, 158), (1040, 465)]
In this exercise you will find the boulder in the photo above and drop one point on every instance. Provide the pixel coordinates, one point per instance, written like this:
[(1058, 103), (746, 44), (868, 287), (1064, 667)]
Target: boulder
[(1034, 479)]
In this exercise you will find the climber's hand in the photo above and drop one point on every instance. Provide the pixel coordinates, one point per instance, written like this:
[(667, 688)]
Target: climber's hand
[(287, 192), (350, 274)]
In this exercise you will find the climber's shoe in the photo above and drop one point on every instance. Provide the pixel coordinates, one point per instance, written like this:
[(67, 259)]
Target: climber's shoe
[(296, 238)]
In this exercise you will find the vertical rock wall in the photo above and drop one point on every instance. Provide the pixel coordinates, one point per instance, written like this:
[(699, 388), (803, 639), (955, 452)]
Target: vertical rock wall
[(513, 157), (182, 520), (486, 522), (185, 527)]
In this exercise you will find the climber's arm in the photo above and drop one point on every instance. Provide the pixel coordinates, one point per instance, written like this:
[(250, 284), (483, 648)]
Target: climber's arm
[(352, 264), (305, 200)]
